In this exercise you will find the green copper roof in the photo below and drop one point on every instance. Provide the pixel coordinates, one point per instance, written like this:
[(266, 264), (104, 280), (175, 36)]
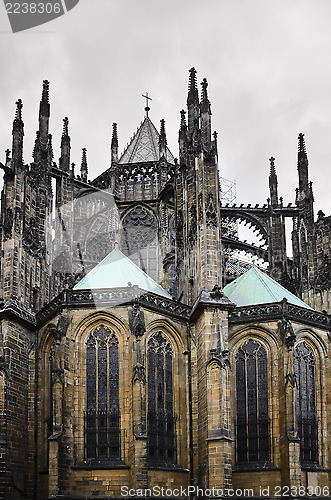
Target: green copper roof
[(118, 271), (256, 287), (144, 145)]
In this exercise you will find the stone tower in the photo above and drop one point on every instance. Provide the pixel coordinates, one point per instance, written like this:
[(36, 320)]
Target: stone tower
[(26, 286), (198, 264)]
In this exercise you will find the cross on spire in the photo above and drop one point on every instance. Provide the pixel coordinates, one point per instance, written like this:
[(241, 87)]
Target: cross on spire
[(147, 108)]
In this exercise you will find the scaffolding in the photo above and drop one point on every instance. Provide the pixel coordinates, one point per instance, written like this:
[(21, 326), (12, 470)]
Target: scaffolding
[(229, 197)]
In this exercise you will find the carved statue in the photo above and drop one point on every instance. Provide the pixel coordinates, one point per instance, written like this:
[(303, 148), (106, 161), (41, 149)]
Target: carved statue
[(137, 321), (287, 332)]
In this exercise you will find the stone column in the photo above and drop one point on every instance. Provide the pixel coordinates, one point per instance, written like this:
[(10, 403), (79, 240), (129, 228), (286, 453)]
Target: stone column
[(210, 315), (291, 426), (139, 470)]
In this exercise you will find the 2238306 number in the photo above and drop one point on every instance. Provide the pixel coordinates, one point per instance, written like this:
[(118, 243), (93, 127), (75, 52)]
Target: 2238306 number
[(33, 8)]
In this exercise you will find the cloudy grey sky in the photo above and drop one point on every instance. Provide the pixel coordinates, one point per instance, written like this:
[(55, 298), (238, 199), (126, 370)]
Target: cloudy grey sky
[(268, 65)]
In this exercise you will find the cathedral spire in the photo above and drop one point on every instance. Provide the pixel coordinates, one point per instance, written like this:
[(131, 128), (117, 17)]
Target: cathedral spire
[(302, 164), (83, 166), (114, 145), (44, 114), (205, 104), (65, 147), (273, 183), (305, 197), (162, 140), (193, 95), (205, 116), (193, 103), (18, 132)]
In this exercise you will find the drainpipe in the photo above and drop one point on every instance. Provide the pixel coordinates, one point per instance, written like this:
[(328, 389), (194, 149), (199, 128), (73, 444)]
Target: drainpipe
[(190, 401)]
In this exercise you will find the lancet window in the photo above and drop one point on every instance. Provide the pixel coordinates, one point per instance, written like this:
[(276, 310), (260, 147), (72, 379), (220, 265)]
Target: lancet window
[(252, 423), (161, 415), (102, 415), (305, 368)]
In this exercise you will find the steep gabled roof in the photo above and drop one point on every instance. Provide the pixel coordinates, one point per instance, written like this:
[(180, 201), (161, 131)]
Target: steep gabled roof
[(118, 271), (256, 287), (144, 145)]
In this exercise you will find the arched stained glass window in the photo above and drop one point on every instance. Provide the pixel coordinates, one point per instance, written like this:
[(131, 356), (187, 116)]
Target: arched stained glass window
[(161, 417), (252, 424), (140, 239), (102, 416), (304, 367)]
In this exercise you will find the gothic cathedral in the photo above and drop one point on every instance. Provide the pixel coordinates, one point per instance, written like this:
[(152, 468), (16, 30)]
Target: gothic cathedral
[(133, 355)]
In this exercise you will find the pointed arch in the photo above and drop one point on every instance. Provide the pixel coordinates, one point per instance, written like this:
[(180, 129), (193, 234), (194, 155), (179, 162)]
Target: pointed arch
[(102, 414), (161, 430), (252, 407), (306, 404)]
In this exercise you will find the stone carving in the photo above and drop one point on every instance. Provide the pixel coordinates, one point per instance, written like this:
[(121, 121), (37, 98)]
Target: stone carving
[(287, 332), (211, 217), (137, 320), (216, 293), (139, 373)]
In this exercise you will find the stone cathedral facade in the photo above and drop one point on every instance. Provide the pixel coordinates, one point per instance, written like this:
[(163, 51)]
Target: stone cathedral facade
[(131, 357)]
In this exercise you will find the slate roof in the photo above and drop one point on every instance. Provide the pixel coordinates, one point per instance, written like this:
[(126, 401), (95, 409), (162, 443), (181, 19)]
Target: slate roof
[(118, 271), (256, 287), (144, 145)]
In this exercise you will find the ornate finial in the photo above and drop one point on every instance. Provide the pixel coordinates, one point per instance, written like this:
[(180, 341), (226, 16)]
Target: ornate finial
[(162, 131), (18, 113), (162, 140), (193, 95), (71, 176), (147, 108), (204, 93), (205, 104), (301, 144), (45, 94), (83, 167), (7, 154), (65, 147), (192, 84), (302, 155), (65, 131), (215, 135), (114, 139), (114, 145), (272, 166)]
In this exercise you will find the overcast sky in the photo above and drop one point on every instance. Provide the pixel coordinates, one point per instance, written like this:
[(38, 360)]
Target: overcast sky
[(268, 65)]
